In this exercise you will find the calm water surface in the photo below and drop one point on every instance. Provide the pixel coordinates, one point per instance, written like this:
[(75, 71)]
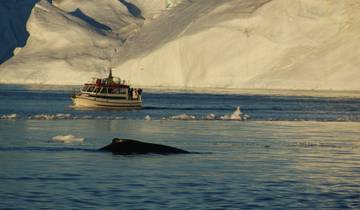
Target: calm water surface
[(294, 152)]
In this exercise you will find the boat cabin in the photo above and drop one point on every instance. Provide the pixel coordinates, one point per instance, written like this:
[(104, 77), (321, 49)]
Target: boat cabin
[(111, 87)]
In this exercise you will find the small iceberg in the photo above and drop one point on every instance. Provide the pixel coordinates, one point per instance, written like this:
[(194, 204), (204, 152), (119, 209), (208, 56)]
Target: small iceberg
[(67, 139), (183, 117), (236, 115)]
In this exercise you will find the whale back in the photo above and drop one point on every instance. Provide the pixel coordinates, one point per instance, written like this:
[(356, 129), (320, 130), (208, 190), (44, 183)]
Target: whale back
[(128, 147)]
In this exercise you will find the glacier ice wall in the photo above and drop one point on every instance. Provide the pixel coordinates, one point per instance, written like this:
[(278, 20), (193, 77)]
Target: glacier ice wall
[(255, 44), (260, 44)]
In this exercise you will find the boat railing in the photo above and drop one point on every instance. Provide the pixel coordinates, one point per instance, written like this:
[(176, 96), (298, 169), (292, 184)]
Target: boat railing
[(110, 88)]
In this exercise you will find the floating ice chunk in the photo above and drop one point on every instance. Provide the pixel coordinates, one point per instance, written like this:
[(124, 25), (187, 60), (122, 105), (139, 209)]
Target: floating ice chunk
[(210, 116), (9, 117), (63, 116), (41, 117), (236, 115), (245, 117), (225, 117), (183, 117), (59, 116), (66, 139), (147, 117)]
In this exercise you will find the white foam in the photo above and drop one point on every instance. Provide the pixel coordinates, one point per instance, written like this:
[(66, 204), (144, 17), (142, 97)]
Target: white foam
[(147, 117), (66, 139), (183, 117), (9, 117)]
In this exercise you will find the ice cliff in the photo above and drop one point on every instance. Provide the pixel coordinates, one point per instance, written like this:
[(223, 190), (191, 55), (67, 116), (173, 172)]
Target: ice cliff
[(260, 44)]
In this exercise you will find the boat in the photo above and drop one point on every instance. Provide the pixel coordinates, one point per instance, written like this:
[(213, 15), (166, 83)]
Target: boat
[(110, 92)]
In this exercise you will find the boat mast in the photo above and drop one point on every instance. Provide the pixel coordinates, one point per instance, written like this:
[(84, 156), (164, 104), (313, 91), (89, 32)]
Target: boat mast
[(110, 74)]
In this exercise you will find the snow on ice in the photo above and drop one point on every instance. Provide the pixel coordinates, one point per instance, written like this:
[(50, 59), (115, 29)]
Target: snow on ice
[(253, 44)]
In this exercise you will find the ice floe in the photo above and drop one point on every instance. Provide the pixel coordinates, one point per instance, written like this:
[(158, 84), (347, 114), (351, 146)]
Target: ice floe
[(67, 139), (9, 117), (236, 115), (59, 116), (183, 117)]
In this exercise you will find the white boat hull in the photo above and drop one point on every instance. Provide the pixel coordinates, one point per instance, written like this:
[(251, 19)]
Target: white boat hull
[(95, 102)]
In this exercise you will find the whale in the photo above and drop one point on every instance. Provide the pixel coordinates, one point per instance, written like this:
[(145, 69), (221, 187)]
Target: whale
[(130, 147)]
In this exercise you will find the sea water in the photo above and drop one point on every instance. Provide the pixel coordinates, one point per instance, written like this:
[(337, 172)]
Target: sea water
[(293, 152)]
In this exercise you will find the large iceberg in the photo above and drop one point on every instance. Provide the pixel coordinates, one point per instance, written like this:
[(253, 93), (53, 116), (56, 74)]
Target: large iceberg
[(254, 44)]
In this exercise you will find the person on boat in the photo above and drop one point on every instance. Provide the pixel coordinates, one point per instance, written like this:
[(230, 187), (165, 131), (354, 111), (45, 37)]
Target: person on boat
[(130, 93), (139, 91), (134, 94), (98, 82)]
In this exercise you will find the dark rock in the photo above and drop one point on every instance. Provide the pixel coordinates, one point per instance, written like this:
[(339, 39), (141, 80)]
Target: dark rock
[(129, 147)]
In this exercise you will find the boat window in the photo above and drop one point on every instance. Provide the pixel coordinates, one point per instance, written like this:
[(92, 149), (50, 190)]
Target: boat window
[(104, 90), (116, 91), (96, 90), (91, 89)]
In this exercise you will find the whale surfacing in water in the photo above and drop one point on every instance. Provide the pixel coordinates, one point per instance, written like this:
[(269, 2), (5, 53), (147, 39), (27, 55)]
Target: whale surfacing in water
[(129, 147)]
